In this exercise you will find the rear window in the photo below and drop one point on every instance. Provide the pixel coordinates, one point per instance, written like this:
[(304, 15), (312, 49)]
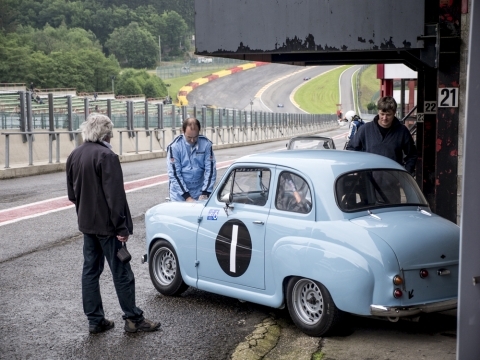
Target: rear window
[(310, 144), (368, 189)]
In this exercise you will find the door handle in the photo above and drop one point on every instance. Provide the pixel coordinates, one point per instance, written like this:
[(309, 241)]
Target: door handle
[(258, 222)]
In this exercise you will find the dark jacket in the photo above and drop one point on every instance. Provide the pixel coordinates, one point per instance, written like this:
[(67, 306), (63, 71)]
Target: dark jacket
[(397, 145), (95, 186)]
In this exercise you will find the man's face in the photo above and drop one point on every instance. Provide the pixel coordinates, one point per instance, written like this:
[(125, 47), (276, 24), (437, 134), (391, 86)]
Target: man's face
[(191, 135), (385, 118)]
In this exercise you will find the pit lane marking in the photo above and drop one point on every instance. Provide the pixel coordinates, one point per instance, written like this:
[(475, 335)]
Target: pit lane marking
[(44, 207)]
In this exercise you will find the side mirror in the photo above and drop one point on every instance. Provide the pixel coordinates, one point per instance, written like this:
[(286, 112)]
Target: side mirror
[(227, 198)]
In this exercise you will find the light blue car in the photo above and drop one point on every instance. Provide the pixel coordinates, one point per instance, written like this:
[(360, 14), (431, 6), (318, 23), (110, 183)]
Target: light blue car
[(323, 232)]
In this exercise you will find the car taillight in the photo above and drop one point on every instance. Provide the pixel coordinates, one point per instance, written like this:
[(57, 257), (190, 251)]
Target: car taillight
[(423, 273), (397, 280), (397, 293)]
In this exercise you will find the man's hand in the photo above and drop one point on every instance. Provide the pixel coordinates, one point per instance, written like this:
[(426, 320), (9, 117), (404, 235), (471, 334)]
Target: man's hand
[(122, 238), (203, 197), (190, 199)]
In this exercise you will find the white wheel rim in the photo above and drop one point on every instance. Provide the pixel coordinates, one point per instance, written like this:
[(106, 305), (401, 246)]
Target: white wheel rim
[(165, 266), (308, 301)]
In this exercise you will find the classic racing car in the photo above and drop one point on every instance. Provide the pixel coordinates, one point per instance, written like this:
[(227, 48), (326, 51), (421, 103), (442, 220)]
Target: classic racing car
[(324, 233)]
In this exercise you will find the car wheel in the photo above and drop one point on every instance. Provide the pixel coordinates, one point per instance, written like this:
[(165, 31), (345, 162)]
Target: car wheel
[(165, 269), (311, 306)]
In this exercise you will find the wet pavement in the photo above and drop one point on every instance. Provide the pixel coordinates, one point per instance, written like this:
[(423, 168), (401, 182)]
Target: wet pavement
[(42, 315)]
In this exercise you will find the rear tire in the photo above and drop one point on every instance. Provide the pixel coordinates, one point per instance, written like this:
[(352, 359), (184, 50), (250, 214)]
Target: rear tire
[(311, 306), (164, 269)]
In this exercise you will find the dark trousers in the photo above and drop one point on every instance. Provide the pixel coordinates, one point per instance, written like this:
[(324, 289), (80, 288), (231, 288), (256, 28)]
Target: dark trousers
[(96, 249)]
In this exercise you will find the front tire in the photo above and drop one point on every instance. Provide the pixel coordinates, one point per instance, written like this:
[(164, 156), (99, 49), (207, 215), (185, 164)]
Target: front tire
[(164, 269), (311, 306)]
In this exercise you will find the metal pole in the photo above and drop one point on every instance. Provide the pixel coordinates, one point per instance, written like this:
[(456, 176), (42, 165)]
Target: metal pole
[(30, 149), (70, 117), (58, 147), (7, 151), (86, 107), (51, 125), (120, 143), (50, 141), (136, 142), (146, 118), (109, 108)]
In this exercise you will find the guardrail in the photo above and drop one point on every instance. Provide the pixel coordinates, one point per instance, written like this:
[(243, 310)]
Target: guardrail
[(53, 135), (222, 126)]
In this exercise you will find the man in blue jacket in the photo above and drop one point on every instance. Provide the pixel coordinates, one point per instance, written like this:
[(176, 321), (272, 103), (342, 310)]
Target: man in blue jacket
[(191, 164), (386, 136)]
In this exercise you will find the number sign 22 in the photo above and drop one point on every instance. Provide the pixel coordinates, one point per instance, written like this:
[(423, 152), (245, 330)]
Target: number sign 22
[(448, 97), (430, 107)]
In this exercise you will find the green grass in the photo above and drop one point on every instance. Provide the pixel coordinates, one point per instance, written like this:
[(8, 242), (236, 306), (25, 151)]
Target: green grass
[(317, 356), (369, 86), (321, 94)]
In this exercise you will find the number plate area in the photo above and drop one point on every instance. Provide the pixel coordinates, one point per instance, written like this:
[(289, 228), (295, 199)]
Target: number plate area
[(431, 288)]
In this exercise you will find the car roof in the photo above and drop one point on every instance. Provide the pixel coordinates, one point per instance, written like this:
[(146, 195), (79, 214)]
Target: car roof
[(334, 162)]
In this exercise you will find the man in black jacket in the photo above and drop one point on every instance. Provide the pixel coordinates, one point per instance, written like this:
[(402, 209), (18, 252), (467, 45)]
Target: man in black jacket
[(386, 136), (95, 186)]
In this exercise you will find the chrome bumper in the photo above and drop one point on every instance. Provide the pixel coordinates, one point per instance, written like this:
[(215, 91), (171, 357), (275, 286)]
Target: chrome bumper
[(402, 311)]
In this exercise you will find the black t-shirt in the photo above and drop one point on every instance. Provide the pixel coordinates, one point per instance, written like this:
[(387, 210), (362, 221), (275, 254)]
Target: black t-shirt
[(383, 130)]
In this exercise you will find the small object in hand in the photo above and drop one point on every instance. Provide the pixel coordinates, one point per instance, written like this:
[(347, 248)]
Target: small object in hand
[(203, 197), (123, 254)]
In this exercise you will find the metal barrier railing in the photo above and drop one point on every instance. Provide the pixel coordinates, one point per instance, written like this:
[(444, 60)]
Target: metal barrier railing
[(52, 136), (222, 126)]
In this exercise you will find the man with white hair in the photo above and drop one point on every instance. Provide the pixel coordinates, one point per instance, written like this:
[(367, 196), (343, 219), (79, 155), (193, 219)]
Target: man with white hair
[(95, 186)]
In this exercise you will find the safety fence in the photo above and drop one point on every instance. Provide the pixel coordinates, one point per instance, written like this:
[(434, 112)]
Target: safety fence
[(196, 65), (146, 126)]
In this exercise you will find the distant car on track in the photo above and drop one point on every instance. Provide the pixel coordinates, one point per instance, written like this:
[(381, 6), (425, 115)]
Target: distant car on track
[(280, 105), (306, 78), (323, 232), (307, 142)]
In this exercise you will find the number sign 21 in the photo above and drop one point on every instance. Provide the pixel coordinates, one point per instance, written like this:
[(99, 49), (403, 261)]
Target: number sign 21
[(448, 97)]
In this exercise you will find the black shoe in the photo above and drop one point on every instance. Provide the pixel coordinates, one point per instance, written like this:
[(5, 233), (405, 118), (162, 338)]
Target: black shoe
[(103, 326), (144, 325)]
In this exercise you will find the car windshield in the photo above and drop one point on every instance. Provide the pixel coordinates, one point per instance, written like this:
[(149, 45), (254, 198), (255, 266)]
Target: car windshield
[(310, 143), (368, 189)]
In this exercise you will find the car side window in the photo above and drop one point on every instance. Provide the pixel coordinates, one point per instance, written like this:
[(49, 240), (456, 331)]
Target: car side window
[(247, 186), (293, 194)]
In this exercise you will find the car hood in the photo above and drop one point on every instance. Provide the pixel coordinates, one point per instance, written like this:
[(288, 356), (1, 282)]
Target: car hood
[(416, 238)]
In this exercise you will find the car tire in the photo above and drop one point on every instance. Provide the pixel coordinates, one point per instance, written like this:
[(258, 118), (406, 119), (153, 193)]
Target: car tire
[(164, 269), (311, 306)]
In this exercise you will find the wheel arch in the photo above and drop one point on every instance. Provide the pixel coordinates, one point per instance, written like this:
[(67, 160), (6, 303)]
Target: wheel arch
[(345, 273)]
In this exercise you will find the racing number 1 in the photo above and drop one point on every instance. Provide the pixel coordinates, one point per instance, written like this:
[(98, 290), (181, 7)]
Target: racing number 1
[(233, 248)]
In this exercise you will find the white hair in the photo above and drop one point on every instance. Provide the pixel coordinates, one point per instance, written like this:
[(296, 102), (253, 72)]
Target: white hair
[(96, 127)]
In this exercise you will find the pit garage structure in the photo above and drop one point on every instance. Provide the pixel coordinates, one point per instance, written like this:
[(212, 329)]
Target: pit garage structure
[(439, 39)]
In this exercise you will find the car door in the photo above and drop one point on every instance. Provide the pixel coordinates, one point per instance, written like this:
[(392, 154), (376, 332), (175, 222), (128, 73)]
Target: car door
[(231, 239)]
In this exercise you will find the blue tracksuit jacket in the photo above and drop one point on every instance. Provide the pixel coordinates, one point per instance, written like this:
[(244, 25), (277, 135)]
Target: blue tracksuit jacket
[(191, 170)]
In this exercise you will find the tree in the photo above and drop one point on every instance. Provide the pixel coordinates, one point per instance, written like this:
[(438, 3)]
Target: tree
[(8, 15), (64, 58), (150, 85), (133, 46), (174, 33), (129, 87), (154, 88)]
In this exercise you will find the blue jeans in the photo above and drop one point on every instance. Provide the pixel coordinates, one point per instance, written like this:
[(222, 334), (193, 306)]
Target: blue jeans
[(97, 248)]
